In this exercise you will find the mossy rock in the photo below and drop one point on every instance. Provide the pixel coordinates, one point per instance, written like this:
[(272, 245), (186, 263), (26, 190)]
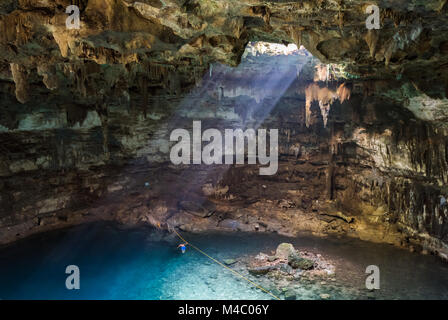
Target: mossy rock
[(229, 262), (297, 262), (284, 250), (259, 271)]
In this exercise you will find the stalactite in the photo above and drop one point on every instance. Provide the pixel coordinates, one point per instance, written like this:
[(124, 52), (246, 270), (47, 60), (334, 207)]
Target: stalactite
[(19, 75), (101, 108), (372, 38), (16, 28), (145, 95), (296, 35), (49, 77), (325, 97)]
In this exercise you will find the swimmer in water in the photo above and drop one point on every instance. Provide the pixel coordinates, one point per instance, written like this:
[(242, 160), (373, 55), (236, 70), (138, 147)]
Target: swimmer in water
[(183, 247)]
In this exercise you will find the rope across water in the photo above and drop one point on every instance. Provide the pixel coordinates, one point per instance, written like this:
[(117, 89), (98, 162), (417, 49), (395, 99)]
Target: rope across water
[(226, 267)]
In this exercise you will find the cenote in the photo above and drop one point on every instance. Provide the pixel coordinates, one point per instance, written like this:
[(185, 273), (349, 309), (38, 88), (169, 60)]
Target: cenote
[(143, 263), (299, 143)]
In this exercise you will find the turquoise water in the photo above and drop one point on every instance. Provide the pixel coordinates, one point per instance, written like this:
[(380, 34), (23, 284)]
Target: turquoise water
[(142, 263)]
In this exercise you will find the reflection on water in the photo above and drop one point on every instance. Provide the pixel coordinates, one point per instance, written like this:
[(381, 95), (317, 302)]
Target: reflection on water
[(141, 264)]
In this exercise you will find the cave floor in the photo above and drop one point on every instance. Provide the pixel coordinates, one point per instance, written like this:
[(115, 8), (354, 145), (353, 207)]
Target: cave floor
[(143, 263)]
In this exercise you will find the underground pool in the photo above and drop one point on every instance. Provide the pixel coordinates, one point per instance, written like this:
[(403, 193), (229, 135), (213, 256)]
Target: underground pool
[(144, 263)]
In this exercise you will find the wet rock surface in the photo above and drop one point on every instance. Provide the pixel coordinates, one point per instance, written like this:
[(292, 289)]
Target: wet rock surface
[(296, 276), (203, 210), (297, 262), (284, 250)]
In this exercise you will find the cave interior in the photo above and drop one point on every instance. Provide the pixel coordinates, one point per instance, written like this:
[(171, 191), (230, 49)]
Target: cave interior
[(86, 116)]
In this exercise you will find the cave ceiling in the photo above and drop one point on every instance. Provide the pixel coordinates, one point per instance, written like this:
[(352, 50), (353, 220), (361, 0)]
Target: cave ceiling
[(123, 44)]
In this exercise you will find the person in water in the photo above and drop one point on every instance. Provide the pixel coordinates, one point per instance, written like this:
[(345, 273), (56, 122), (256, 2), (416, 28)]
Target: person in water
[(183, 247)]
